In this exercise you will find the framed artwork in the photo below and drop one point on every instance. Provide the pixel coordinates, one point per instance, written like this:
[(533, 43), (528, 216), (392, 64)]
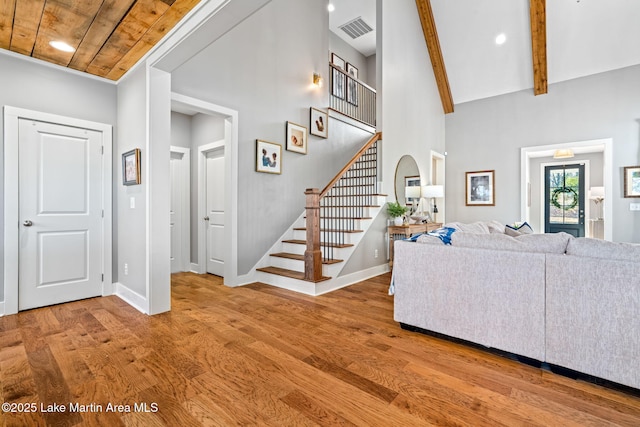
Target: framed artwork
[(318, 122), (352, 85), (296, 138), (412, 181), (337, 61), (632, 181), (338, 83), (480, 188), (352, 71), (131, 167), (268, 157)]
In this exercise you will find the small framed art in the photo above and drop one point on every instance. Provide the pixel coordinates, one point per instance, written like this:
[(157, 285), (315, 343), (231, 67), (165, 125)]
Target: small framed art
[(480, 188), (337, 61), (296, 138), (632, 181), (338, 83), (318, 122), (268, 157), (131, 167), (352, 85)]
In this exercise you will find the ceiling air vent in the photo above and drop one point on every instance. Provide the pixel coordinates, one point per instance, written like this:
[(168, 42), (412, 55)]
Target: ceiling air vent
[(356, 28)]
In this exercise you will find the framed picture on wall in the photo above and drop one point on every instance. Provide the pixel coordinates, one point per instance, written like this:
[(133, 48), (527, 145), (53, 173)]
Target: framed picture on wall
[(352, 85), (268, 157), (480, 188), (296, 138), (337, 61), (632, 181), (131, 167), (338, 83), (319, 122)]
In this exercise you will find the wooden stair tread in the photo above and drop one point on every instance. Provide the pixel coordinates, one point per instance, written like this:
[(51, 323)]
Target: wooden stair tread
[(290, 273), (329, 245), (330, 230), (359, 195), (299, 257)]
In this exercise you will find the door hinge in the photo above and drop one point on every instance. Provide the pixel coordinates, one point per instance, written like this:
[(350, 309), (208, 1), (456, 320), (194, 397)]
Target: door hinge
[(103, 277), (102, 149), (102, 213)]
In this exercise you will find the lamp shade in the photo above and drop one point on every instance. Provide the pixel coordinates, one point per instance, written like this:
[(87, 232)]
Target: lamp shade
[(596, 193), (432, 191), (413, 191)]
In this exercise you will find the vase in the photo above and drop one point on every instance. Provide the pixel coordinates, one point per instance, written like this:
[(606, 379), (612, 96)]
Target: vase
[(397, 221)]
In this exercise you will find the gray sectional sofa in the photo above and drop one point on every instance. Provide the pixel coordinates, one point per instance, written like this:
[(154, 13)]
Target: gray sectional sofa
[(570, 302)]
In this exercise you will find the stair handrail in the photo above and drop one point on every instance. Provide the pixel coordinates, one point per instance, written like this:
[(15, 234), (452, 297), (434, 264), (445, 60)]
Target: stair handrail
[(365, 147), (313, 253)]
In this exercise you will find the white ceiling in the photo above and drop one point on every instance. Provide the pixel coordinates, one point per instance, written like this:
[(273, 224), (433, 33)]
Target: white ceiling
[(584, 37), (348, 10)]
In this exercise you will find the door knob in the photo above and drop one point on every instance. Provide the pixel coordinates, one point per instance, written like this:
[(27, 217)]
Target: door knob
[(206, 218), (27, 223)]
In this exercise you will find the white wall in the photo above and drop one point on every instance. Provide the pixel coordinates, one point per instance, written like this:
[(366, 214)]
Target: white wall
[(411, 107), (34, 85), (488, 134), (132, 133)]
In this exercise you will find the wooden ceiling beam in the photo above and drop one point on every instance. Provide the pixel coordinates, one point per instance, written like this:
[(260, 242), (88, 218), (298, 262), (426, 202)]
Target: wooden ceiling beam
[(7, 10), (435, 53), (538, 17)]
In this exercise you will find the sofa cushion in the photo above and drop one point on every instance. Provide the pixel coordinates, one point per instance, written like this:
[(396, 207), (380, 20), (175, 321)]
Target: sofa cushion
[(475, 228), (596, 248), (540, 243)]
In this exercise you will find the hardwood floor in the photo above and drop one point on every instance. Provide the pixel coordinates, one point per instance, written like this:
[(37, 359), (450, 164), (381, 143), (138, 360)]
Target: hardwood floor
[(259, 355)]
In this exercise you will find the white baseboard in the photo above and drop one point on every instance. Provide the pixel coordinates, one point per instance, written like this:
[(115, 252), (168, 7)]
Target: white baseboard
[(132, 298), (1, 308), (195, 268), (350, 279)]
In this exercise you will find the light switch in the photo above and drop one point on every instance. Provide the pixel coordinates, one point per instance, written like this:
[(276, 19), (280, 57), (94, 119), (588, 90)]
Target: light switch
[(132, 202)]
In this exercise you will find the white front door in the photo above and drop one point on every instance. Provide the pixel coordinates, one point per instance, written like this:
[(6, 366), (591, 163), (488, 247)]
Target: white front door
[(60, 213), (215, 211)]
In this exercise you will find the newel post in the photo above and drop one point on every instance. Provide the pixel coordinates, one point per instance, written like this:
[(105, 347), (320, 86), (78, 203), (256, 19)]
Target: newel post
[(313, 254)]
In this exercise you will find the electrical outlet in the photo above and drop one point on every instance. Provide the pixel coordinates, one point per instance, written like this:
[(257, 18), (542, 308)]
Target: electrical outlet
[(375, 253), (634, 206), (126, 269)]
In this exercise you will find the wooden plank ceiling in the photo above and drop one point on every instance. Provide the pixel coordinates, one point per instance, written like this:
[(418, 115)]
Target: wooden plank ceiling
[(109, 36)]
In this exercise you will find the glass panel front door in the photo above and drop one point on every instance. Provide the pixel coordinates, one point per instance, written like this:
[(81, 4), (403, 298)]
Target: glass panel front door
[(564, 199)]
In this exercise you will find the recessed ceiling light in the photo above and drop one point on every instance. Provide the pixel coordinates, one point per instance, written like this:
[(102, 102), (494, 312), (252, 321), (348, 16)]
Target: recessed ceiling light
[(331, 7), (501, 38), (61, 46)]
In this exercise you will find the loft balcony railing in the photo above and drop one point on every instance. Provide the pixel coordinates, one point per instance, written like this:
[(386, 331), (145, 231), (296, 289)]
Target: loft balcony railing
[(351, 97)]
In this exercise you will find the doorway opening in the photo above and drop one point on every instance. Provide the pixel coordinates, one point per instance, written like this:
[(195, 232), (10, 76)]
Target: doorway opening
[(226, 229)]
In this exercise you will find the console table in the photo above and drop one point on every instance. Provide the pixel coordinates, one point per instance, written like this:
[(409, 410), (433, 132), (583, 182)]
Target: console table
[(404, 231)]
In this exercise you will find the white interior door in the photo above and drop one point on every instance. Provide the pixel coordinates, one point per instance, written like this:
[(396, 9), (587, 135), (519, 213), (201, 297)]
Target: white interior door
[(60, 212), (215, 212)]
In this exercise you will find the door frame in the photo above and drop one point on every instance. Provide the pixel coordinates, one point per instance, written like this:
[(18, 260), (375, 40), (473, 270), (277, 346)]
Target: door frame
[(203, 151), (12, 115), (184, 181)]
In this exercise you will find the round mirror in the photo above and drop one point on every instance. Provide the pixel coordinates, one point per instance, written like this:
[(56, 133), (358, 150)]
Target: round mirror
[(407, 175)]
